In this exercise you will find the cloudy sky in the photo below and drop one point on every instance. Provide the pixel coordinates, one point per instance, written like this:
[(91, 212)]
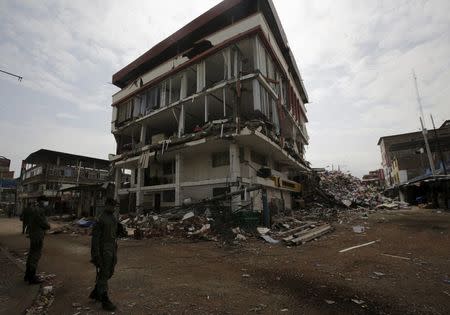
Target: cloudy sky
[(356, 58)]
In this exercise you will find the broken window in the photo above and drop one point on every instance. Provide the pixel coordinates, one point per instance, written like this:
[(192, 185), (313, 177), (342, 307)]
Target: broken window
[(215, 105), (220, 159), (215, 69), (168, 196), (153, 97), (243, 57), (125, 111), (175, 89), (191, 81), (218, 191), (258, 158), (194, 114), (169, 168)]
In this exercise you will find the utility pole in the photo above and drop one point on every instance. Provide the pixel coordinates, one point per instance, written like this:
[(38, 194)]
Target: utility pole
[(424, 129), (436, 137)]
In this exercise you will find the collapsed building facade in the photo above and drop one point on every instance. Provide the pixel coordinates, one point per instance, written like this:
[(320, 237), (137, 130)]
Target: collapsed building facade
[(218, 107)]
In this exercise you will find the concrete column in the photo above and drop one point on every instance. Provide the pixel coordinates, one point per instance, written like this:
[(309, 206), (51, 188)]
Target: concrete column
[(235, 174), (178, 170), (235, 168), (181, 122), (133, 178), (139, 192), (143, 137), (117, 180)]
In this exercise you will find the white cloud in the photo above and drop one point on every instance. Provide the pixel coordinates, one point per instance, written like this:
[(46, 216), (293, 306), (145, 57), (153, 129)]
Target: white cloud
[(355, 57)]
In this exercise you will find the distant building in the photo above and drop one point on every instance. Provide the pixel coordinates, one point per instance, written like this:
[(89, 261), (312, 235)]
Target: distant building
[(46, 173), (5, 172), (404, 157), (7, 183), (375, 178)]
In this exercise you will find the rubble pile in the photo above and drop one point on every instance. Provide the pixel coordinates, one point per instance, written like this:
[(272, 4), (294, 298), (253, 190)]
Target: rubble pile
[(188, 225), (348, 191)]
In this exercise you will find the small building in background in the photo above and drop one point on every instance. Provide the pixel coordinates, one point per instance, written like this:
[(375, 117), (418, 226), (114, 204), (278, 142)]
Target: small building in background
[(407, 168), (7, 186), (46, 173), (404, 157), (374, 178)]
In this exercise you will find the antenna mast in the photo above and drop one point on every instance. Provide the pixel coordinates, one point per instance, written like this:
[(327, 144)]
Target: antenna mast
[(424, 129)]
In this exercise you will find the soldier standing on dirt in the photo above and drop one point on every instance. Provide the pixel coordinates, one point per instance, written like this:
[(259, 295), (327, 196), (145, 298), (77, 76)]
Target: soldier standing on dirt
[(25, 218), (104, 252), (37, 225)]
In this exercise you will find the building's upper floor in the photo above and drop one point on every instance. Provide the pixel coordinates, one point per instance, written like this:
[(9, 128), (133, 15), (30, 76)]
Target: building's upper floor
[(409, 144), (236, 52)]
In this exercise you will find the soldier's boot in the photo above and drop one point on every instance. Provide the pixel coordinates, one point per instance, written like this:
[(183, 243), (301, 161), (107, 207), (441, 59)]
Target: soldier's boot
[(26, 278), (94, 294), (33, 279), (107, 305)]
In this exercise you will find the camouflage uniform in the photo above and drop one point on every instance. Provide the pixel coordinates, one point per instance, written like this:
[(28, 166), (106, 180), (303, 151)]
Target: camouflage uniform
[(104, 253), (25, 217), (37, 225)]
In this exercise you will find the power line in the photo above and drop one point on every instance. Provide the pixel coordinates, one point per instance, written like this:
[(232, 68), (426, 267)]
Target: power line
[(12, 74)]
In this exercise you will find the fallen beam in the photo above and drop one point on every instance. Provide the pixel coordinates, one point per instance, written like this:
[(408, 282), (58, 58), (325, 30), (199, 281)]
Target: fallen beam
[(358, 246), (312, 234), (296, 230)]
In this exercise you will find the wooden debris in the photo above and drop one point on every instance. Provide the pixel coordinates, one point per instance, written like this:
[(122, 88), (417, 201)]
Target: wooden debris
[(398, 257), (358, 246), (312, 234)]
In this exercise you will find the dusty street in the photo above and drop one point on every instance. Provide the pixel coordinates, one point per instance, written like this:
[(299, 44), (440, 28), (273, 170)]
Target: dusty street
[(173, 276)]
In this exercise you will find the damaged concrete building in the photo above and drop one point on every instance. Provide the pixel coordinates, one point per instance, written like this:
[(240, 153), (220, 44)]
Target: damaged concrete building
[(46, 173), (217, 107)]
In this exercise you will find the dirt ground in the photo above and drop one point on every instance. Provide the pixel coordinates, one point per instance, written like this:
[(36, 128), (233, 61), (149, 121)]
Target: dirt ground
[(173, 276)]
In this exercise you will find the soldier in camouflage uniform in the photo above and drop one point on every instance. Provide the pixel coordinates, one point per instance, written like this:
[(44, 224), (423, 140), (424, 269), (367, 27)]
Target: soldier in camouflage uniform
[(104, 252), (25, 218), (37, 225)]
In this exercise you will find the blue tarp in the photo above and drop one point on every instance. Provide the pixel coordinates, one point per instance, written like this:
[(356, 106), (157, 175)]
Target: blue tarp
[(85, 223)]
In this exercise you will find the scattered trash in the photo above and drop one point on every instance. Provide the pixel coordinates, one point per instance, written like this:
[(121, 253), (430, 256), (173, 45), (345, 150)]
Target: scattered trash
[(398, 257), (358, 229), (330, 302), (83, 222), (47, 289), (284, 310), (245, 275), (188, 216), (270, 240), (379, 274), (76, 304), (262, 230), (359, 302), (358, 246)]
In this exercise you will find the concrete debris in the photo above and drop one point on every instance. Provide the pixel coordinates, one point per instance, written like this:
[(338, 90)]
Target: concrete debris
[(262, 230), (270, 240), (240, 237), (359, 302), (47, 289), (349, 191), (358, 229), (187, 225), (188, 216)]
